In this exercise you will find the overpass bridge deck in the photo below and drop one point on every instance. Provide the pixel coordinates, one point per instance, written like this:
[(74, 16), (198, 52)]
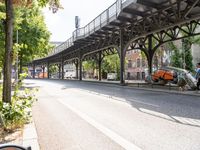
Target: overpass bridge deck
[(139, 14), (128, 25)]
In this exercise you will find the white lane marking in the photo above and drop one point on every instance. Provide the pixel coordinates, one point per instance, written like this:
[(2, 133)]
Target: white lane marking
[(112, 135)]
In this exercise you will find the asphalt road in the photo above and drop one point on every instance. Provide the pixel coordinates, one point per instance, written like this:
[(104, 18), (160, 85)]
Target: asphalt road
[(72, 115)]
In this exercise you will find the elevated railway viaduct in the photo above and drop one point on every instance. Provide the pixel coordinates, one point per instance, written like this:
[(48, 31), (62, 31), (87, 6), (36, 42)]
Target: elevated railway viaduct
[(127, 25)]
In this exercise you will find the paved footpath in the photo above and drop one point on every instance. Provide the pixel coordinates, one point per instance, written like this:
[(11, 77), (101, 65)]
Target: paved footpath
[(86, 116)]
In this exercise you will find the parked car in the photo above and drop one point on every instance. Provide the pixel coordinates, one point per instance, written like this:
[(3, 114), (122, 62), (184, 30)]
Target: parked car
[(70, 75), (112, 76)]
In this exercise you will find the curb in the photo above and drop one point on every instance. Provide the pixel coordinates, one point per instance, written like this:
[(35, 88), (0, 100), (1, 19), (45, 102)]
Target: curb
[(186, 93), (30, 137), (194, 93)]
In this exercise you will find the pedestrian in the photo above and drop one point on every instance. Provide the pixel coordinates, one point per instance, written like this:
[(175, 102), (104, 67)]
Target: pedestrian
[(197, 76)]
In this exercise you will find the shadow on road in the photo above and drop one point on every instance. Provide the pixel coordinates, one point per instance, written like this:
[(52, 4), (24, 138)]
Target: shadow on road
[(182, 109)]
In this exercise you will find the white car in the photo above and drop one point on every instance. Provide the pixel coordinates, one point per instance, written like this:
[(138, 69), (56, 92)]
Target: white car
[(112, 76)]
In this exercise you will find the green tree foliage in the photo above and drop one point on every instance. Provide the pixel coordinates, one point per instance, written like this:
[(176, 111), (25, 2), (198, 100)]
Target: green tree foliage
[(187, 53), (33, 35), (54, 4), (187, 44), (176, 55), (53, 69), (89, 65), (111, 64)]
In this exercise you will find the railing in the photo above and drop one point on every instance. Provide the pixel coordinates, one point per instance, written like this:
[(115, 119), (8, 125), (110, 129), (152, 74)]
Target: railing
[(103, 19)]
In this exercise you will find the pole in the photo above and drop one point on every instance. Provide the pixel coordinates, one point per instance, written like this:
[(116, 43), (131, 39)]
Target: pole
[(122, 57), (80, 68), (62, 68), (16, 64), (99, 61), (76, 68), (150, 54), (59, 70), (48, 73), (183, 47), (33, 71)]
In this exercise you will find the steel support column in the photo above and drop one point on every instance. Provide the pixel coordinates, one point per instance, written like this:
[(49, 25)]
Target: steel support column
[(62, 68), (43, 67), (150, 54), (80, 68), (99, 63), (48, 74), (76, 64), (33, 71), (122, 57), (59, 71)]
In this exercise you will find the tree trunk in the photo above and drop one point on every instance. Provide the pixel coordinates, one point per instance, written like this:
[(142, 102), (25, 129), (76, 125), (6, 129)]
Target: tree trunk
[(8, 52)]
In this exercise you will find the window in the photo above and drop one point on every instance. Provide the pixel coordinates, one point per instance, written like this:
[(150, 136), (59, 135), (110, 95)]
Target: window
[(143, 63), (138, 75), (129, 63), (143, 75), (128, 75), (138, 62)]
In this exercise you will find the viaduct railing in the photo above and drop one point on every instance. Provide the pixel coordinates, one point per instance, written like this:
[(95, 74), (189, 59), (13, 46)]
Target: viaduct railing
[(100, 21)]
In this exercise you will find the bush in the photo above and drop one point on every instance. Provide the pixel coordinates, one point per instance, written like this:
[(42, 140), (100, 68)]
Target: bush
[(17, 113)]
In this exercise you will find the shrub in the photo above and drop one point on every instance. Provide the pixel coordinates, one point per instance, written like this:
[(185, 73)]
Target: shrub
[(17, 113)]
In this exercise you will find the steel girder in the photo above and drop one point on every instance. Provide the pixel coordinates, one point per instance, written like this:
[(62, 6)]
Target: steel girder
[(157, 17), (178, 32), (174, 13), (159, 20)]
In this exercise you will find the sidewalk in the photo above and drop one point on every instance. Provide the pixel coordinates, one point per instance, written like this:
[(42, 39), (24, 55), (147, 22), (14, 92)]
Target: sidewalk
[(26, 137), (30, 137)]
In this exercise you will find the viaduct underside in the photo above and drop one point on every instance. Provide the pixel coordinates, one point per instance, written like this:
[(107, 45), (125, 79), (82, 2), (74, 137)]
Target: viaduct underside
[(128, 25)]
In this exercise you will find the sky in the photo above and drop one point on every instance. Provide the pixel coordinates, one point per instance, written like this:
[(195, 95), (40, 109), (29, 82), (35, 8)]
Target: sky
[(62, 24)]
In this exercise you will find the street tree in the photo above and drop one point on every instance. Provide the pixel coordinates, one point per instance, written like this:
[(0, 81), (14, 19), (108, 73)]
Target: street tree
[(54, 5), (33, 36), (187, 53), (183, 58), (111, 64), (89, 65), (176, 55), (2, 37)]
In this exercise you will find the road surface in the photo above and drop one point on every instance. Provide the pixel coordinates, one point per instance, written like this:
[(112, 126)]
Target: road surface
[(72, 115)]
